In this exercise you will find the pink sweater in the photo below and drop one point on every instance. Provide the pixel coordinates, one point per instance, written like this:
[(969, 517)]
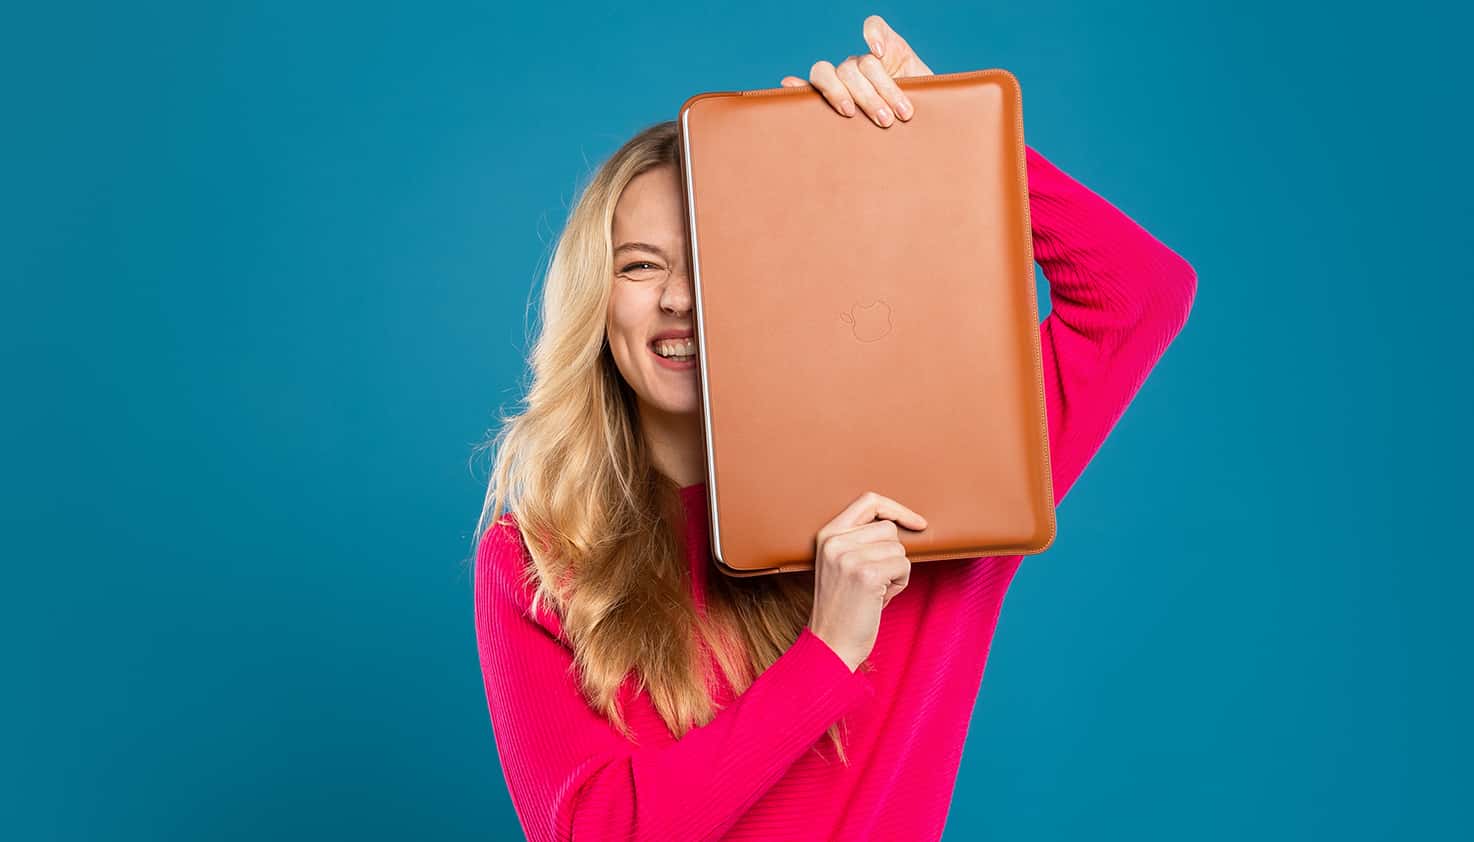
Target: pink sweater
[(759, 769)]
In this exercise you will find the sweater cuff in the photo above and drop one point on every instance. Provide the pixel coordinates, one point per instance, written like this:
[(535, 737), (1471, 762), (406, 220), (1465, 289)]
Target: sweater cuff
[(819, 671)]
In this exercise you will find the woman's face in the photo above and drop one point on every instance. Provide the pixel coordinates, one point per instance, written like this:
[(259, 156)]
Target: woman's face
[(651, 295)]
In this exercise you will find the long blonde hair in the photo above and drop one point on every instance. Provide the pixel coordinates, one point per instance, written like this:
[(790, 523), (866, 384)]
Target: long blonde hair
[(600, 525)]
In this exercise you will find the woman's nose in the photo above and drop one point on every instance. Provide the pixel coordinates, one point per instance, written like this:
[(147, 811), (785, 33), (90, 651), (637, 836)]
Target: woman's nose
[(678, 293)]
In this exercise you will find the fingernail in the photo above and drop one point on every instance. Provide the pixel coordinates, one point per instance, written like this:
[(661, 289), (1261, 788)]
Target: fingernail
[(883, 116), (875, 46), (848, 108), (903, 107)]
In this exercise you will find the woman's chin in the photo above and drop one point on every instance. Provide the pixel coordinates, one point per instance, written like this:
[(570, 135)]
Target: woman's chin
[(675, 401)]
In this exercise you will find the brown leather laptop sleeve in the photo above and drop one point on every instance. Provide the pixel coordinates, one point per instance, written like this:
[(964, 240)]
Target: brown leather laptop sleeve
[(866, 319)]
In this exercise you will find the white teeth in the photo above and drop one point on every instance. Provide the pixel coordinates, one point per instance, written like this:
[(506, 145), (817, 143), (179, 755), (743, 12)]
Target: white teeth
[(675, 348)]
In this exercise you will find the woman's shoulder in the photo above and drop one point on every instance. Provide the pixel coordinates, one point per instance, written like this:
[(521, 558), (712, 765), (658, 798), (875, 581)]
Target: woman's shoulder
[(501, 555), (504, 570)]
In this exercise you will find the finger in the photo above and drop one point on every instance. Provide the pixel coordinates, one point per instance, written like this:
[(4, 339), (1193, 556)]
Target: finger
[(890, 558), (885, 85), (824, 77), (886, 43), (878, 35), (896, 585), (864, 93), (894, 51), (869, 506), (882, 531)]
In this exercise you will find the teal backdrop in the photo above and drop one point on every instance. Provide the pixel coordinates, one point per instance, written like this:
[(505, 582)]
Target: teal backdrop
[(266, 277)]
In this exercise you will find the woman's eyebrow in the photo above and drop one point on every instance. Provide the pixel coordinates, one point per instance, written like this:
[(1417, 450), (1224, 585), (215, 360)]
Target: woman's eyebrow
[(642, 247)]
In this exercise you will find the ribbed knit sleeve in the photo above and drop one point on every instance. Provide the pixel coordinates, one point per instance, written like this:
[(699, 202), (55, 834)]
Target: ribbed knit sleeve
[(1118, 297), (572, 775)]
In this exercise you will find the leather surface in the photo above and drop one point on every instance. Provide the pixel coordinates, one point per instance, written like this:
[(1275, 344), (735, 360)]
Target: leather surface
[(866, 319)]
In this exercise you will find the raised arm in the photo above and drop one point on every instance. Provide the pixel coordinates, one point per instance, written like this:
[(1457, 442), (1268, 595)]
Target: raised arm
[(572, 775), (1118, 297)]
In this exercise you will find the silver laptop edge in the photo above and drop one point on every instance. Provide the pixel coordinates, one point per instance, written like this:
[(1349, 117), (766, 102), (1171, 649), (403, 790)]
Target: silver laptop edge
[(711, 474)]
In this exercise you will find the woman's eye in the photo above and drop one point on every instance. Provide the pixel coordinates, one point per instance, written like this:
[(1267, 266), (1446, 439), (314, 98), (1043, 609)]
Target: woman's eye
[(643, 270)]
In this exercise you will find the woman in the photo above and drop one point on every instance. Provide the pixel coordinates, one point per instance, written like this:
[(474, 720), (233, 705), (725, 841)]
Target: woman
[(635, 694)]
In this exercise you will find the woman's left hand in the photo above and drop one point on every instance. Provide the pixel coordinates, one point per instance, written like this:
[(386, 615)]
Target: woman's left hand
[(869, 79)]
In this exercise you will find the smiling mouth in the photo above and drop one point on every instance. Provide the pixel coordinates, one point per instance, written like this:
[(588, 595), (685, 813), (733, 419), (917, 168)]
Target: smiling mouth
[(677, 358)]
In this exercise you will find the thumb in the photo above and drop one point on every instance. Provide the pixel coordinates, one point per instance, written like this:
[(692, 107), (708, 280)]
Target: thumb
[(894, 52), (883, 41)]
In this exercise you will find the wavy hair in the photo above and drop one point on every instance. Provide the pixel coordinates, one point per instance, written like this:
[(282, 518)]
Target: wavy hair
[(602, 528)]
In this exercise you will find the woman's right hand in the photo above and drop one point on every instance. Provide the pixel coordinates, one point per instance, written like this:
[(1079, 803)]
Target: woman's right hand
[(868, 79), (859, 567)]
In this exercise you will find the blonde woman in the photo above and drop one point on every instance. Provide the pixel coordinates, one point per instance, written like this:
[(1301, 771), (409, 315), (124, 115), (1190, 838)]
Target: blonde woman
[(634, 691)]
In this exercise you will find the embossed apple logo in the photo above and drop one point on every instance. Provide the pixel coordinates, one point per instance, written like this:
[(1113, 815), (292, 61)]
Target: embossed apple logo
[(870, 322)]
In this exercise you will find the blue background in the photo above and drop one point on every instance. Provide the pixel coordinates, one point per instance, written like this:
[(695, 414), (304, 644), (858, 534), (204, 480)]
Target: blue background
[(266, 281)]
